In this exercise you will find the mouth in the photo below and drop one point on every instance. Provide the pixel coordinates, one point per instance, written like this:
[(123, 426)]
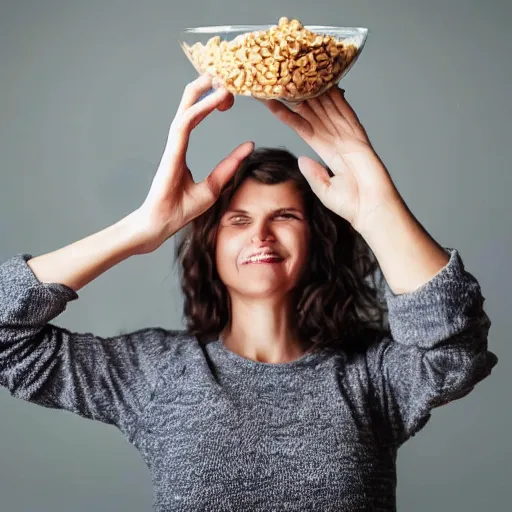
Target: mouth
[(269, 262), (263, 259)]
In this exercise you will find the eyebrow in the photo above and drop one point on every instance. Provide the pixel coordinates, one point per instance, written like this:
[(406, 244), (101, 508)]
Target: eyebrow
[(279, 210)]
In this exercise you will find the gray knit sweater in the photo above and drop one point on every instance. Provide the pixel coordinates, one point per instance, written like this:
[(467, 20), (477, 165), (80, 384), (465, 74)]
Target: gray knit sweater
[(220, 432)]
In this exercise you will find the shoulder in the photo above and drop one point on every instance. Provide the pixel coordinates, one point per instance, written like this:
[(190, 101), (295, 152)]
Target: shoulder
[(168, 343), (171, 350), (154, 345)]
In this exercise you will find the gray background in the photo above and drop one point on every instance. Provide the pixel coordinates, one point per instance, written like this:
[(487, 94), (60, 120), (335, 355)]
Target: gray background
[(87, 94)]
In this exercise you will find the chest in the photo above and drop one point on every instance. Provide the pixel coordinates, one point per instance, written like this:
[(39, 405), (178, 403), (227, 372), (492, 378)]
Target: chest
[(205, 438)]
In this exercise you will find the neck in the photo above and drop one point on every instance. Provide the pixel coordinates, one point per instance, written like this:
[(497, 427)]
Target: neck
[(262, 334)]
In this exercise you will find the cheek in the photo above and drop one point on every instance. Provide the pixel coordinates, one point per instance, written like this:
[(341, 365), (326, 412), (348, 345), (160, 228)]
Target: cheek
[(297, 243), (228, 251)]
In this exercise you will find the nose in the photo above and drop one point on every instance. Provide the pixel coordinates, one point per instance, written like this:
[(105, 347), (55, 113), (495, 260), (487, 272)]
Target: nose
[(262, 231)]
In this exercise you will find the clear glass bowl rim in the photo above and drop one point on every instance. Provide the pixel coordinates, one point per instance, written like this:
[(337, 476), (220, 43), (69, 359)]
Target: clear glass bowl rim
[(251, 28)]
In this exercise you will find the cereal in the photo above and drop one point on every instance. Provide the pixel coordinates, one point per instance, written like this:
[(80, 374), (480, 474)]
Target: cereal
[(286, 61)]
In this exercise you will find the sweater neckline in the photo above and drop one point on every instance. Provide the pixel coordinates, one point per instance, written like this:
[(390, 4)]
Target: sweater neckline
[(306, 360)]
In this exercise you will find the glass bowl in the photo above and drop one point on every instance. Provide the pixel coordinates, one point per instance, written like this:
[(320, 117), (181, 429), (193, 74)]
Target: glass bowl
[(288, 62)]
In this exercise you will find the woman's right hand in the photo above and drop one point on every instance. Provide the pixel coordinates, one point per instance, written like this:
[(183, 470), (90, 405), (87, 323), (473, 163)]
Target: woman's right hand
[(174, 198)]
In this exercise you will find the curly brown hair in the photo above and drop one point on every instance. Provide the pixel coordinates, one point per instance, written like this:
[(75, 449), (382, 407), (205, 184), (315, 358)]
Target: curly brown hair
[(338, 299)]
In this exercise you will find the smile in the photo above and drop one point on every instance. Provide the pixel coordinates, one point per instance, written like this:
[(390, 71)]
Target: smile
[(263, 259)]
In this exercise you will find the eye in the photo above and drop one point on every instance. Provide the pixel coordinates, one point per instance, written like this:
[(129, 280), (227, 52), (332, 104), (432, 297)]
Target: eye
[(285, 215), (234, 219)]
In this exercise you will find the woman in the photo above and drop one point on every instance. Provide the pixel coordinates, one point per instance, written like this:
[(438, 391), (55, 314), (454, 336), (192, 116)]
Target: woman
[(287, 390)]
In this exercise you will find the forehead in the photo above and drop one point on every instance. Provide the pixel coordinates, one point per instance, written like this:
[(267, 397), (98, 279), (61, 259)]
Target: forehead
[(252, 195)]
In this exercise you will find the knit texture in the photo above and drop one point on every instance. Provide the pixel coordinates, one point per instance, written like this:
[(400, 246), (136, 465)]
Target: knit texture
[(220, 432)]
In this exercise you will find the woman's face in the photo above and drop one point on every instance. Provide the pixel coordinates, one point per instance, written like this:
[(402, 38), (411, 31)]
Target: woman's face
[(262, 226)]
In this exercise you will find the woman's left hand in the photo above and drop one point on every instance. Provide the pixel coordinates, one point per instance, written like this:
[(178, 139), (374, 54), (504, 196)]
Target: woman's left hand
[(361, 182)]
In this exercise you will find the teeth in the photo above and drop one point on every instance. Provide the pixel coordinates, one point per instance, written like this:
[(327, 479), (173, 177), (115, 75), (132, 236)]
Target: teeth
[(264, 257)]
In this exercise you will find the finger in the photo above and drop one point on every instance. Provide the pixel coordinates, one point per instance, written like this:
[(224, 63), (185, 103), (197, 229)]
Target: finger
[(211, 187), (303, 108), (193, 91), (292, 119), (207, 93), (196, 113), (326, 117), (348, 113), (340, 125), (184, 123), (227, 103), (338, 97), (316, 175)]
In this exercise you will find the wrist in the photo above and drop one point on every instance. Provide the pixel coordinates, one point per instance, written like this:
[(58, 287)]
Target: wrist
[(133, 232), (382, 216), (142, 234)]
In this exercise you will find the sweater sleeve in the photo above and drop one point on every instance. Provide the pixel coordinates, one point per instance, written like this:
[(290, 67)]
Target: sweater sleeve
[(437, 351), (104, 379)]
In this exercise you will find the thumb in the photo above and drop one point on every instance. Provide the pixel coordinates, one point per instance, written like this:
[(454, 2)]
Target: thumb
[(316, 175), (339, 193), (212, 185)]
